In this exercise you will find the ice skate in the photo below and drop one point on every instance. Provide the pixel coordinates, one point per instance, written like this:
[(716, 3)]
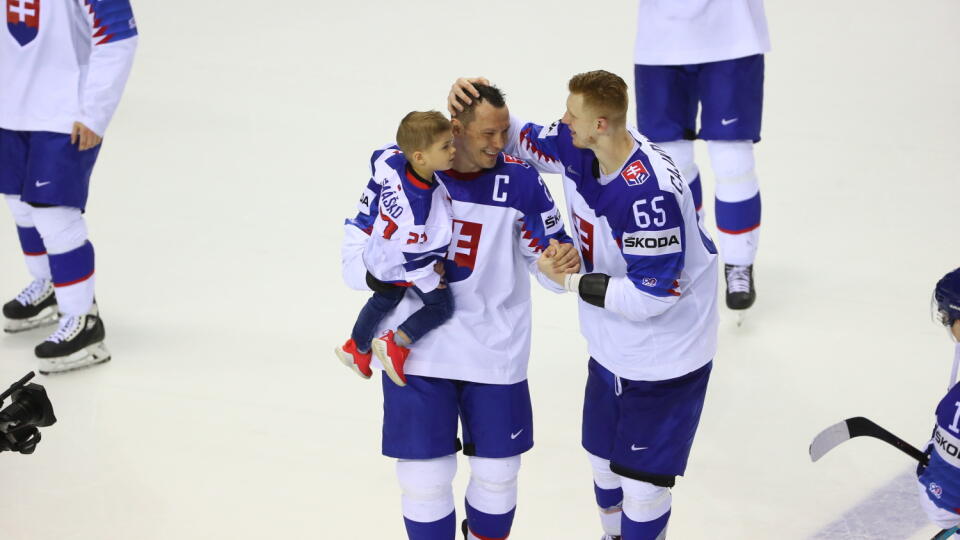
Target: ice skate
[(77, 343), (740, 290), (392, 356), (35, 306), (354, 359)]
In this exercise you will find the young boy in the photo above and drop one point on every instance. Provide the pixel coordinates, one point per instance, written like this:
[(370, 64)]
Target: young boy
[(409, 239)]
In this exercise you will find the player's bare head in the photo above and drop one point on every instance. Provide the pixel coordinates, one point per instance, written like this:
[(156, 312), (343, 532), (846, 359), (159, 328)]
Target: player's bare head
[(604, 95), (481, 130), (489, 94)]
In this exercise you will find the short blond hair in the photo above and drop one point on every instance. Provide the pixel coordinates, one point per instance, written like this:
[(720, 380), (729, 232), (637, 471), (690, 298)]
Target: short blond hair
[(603, 92), (418, 130)]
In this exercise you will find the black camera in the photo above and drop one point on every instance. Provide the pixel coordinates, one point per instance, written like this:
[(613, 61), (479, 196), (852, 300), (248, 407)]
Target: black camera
[(29, 409)]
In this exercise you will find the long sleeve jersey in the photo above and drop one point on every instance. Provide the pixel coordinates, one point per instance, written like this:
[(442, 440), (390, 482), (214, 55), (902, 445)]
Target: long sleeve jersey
[(64, 61), (503, 218), (639, 226), (680, 32), (941, 478), (412, 228)]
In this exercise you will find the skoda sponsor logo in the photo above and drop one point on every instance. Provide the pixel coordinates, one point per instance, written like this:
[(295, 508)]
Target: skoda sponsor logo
[(947, 446), (552, 220), (652, 242)]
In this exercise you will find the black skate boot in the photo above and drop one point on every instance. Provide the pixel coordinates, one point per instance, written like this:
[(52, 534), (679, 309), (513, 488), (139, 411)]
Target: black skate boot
[(35, 306), (77, 343), (740, 291)]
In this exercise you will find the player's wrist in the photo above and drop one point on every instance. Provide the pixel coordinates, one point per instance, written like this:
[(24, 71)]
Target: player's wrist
[(571, 282)]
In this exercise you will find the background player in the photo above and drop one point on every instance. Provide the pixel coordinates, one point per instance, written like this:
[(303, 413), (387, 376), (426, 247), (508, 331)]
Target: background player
[(647, 299), (63, 65), (474, 367), (709, 52), (410, 235), (939, 481)]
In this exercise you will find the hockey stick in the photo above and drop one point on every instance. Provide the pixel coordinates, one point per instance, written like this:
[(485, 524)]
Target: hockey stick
[(946, 533), (859, 426)]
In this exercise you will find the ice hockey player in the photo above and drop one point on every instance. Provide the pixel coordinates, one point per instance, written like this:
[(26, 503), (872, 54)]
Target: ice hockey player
[(647, 298), (410, 235), (939, 481), (709, 53), (63, 67), (472, 370)]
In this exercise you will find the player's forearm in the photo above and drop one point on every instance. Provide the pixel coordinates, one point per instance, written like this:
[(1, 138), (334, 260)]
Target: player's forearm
[(618, 295), (106, 77)]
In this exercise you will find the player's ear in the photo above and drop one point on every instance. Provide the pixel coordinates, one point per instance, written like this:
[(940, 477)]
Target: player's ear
[(602, 125), (456, 127)]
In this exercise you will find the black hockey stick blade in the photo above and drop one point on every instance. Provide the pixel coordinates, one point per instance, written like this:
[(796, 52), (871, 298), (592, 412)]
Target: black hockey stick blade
[(859, 426)]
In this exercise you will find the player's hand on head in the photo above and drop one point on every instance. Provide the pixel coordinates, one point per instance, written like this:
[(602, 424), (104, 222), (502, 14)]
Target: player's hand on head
[(84, 137), (462, 92)]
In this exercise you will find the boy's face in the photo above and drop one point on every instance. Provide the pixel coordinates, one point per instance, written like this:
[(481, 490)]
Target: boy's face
[(439, 156)]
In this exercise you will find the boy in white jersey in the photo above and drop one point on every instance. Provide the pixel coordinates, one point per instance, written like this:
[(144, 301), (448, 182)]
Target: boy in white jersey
[(409, 238), (647, 298), (63, 66)]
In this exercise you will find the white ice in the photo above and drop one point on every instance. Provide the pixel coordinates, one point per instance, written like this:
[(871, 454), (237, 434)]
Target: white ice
[(217, 208)]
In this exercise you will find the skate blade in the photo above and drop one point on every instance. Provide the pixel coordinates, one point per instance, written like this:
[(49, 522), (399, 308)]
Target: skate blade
[(46, 317), (347, 360), (380, 350), (86, 357)]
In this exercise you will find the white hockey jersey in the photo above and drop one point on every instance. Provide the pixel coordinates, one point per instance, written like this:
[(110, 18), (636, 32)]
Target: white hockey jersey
[(680, 32), (503, 218), (412, 229), (640, 227), (64, 61)]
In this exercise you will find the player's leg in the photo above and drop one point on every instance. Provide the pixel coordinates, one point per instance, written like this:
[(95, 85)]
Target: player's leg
[(607, 489), (646, 510), (36, 305), (392, 348), (601, 415), (667, 103), (732, 96), (356, 353), (497, 424), (658, 423), (427, 497), (56, 188), (420, 430)]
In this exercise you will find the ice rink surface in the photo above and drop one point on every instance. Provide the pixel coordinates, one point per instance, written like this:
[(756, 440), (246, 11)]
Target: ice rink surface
[(217, 209)]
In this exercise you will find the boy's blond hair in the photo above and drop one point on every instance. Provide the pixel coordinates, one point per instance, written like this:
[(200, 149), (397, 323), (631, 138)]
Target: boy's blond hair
[(603, 92), (418, 130)]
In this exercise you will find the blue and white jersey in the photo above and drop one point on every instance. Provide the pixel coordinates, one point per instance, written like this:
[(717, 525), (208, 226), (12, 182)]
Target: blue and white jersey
[(639, 226), (941, 478), (503, 218), (412, 228), (681, 32), (64, 61)]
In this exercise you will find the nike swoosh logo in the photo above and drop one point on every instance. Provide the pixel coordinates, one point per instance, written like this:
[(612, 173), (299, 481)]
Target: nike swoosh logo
[(570, 170), (727, 122), (515, 435), (41, 184), (636, 448)]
